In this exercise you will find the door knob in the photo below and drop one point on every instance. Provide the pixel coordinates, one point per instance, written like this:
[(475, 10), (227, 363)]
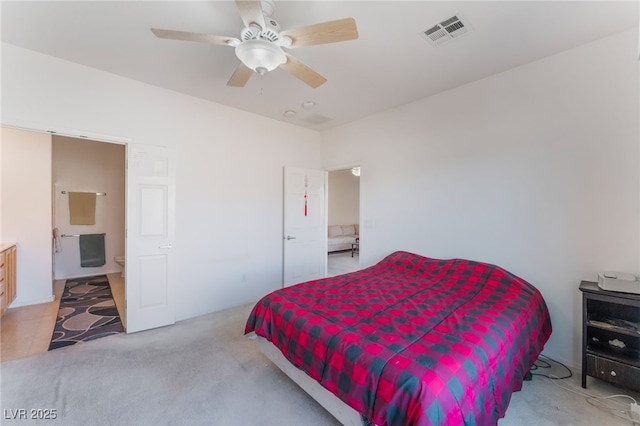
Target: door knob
[(167, 246), (289, 237)]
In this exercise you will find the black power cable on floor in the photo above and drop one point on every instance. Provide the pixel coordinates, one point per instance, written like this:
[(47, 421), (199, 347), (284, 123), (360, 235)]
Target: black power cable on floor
[(545, 362), (609, 404)]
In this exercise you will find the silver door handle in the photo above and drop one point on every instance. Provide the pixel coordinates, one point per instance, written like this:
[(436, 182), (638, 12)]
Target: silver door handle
[(167, 246), (289, 237)]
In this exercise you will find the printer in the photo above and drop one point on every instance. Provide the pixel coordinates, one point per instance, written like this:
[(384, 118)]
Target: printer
[(619, 281)]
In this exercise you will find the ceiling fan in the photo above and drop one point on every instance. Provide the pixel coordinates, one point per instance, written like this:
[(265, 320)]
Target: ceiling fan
[(259, 47)]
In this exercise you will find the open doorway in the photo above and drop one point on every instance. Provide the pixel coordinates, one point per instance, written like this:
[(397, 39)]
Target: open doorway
[(343, 219), (89, 167), (29, 214), (149, 176)]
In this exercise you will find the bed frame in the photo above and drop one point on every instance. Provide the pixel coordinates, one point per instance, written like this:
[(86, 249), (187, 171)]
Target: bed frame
[(334, 405)]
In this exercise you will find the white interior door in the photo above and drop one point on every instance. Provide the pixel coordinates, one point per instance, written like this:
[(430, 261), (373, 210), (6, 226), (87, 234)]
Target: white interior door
[(305, 225), (150, 234)]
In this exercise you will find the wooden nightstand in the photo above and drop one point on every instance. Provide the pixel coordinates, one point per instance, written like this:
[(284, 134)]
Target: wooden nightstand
[(610, 336)]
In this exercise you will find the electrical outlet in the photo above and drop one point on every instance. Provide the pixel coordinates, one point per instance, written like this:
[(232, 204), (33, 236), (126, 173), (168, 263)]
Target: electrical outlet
[(634, 411)]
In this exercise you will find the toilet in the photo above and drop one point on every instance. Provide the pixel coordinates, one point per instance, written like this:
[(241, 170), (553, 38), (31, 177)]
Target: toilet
[(120, 261)]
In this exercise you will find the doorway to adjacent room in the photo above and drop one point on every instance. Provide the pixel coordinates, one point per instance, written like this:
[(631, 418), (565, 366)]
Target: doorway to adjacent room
[(343, 215)]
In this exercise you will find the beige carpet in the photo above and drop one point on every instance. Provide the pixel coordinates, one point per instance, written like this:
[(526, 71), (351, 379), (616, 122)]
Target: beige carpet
[(204, 371)]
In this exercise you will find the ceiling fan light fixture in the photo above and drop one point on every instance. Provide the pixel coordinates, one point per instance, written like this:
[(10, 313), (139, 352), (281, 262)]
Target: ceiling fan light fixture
[(260, 55)]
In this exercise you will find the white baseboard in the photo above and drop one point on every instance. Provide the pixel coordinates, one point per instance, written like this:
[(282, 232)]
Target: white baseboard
[(20, 303)]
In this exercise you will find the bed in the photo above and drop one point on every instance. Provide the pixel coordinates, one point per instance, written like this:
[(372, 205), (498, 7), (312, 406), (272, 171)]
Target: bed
[(409, 340)]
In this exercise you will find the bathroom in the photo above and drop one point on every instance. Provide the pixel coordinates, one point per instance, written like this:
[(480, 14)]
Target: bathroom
[(81, 165)]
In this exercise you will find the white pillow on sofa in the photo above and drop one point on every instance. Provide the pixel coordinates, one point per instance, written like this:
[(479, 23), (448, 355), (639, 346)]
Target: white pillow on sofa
[(335, 230), (348, 230)]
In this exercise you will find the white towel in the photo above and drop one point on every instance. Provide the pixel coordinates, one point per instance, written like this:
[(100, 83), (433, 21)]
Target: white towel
[(57, 247)]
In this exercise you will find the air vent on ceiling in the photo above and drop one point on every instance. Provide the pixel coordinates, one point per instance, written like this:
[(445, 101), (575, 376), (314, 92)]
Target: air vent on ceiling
[(317, 119), (446, 30)]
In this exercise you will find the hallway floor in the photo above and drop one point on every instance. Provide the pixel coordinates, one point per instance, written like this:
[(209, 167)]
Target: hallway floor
[(27, 330)]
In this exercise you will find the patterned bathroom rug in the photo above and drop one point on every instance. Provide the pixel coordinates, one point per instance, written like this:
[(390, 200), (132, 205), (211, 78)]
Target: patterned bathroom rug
[(87, 312)]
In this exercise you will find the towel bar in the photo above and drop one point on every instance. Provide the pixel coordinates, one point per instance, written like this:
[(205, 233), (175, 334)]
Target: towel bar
[(76, 235), (97, 193)]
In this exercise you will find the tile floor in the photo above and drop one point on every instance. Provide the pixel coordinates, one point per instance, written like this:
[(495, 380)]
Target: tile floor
[(342, 262), (27, 330)]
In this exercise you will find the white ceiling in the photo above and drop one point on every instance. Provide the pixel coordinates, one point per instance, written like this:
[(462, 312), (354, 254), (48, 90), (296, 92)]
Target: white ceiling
[(390, 64)]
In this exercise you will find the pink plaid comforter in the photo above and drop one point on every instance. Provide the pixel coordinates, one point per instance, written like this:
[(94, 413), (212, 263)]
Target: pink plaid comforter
[(412, 340)]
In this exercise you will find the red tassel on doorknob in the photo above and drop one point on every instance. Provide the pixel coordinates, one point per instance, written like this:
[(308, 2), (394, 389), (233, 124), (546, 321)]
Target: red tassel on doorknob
[(305, 203)]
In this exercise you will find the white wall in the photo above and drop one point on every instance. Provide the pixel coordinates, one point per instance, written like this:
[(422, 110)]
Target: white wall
[(88, 166), (344, 198), (535, 169), (25, 199), (229, 168)]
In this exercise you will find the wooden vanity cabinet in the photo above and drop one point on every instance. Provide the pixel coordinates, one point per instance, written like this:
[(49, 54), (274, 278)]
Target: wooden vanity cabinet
[(7, 276)]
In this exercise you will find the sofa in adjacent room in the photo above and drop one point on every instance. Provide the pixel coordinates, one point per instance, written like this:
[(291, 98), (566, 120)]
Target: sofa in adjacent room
[(340, 237)]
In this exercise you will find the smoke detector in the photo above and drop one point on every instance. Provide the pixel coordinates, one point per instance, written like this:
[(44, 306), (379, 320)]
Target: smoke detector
[(446, 30)]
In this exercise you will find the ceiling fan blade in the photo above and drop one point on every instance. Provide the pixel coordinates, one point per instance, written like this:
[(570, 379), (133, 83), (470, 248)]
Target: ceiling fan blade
[(251, 12), (302, 72), (240, 76), (327, 32), (201, 38)]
